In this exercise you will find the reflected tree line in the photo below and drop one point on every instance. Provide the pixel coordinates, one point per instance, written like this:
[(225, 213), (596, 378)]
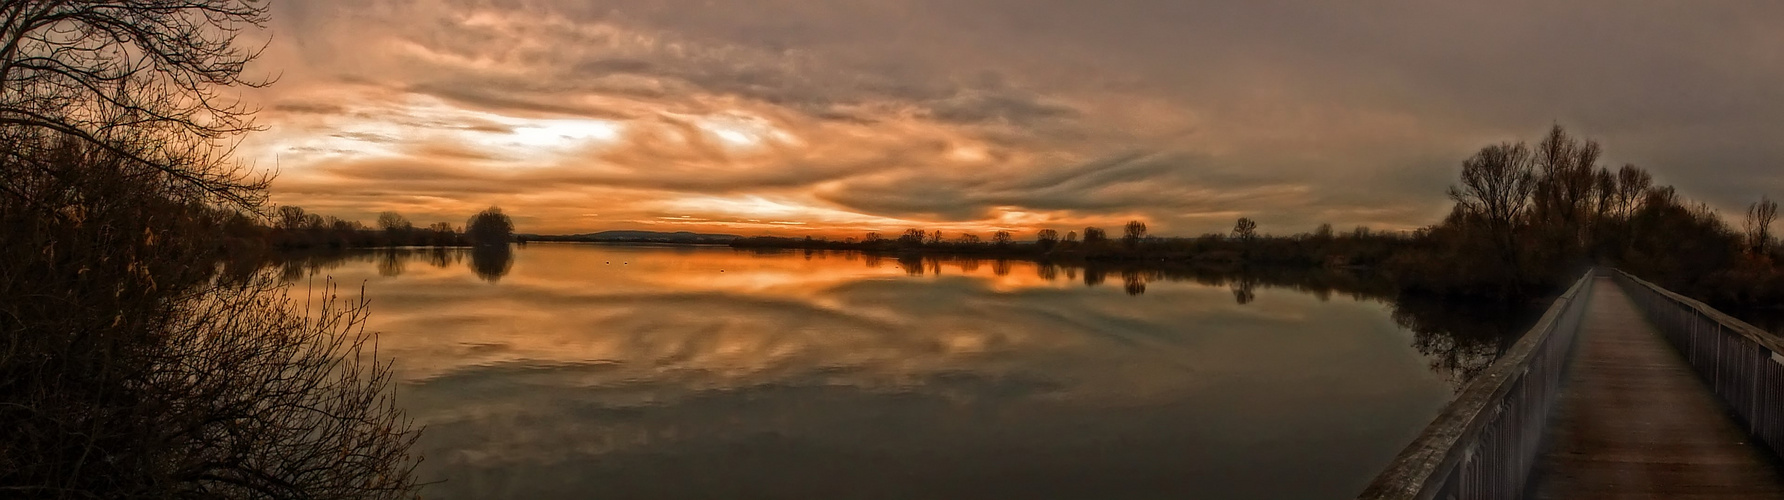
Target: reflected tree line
[(1322, 247), (1459, 338), (489, 263)]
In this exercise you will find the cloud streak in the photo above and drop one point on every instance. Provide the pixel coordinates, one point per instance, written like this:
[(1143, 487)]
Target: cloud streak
[(990, 114)]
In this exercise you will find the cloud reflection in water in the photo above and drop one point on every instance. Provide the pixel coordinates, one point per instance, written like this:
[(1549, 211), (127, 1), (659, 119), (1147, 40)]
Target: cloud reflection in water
[(650, 372)]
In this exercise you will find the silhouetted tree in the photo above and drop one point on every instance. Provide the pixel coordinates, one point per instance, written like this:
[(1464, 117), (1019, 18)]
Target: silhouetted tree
[(1094, 235), (289, 218), (1246, 229), (1133, 233), (1047, 238), (1632, 188), (394, 223), (490, 227), (912, 237), (1001, 238), (1497, 184), (1759, 225), (1071, 237)]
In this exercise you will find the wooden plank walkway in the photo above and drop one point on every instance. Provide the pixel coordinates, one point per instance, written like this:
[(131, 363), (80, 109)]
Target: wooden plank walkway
[(1634, 421)]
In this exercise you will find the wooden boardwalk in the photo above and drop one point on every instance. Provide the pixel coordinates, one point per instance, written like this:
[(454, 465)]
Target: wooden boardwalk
[(1634, 421)]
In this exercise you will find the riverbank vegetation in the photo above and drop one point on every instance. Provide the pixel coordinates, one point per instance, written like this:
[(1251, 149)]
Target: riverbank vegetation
[(1323, 247), (293, 228), (130, 367), (1526, 219)]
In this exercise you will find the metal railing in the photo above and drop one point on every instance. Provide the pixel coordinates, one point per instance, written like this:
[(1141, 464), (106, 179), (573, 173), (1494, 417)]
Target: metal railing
[(1742, 364), (1485, 443)]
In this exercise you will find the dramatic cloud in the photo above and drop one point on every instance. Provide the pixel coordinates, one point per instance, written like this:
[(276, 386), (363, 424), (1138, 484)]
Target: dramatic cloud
[(789, 116)]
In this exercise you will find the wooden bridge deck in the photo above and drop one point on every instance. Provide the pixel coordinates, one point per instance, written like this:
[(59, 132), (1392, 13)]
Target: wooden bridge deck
[(1634, 421)]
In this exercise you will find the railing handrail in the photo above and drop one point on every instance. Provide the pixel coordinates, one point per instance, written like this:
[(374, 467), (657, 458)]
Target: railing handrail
[(1420, 469), (1768, 340)]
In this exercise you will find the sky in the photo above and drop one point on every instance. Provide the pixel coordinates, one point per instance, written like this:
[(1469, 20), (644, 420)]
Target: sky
[(799, 117)]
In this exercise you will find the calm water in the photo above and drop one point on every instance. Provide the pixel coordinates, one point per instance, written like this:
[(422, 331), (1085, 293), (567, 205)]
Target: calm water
[(577, 371)]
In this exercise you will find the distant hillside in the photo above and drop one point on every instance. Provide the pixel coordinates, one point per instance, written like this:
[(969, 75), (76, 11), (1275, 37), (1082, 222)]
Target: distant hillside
[(639, 237)]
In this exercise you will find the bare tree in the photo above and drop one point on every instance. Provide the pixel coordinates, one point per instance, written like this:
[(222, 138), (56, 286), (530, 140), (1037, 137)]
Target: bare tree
[(1632, 189), (1001, 238), (393, 222), (1497, 184), (912, 237), (132, 370), (142, 79), (301, 408), (289, 218), (1563, 190), (1133, 232), (1760, 216), (1604, 195), (1047, 238), (1246, 229)]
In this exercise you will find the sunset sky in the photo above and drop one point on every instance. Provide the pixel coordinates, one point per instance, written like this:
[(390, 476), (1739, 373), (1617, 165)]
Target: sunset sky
[(833, 117)]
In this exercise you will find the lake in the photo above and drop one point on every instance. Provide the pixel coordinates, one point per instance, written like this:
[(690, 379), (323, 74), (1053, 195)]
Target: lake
[(579, 370)]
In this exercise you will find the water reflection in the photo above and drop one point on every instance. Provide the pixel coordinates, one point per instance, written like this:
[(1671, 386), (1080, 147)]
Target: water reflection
[(650, 372), (1462, 340), (492, 262), (487, 263), (1245, 291)]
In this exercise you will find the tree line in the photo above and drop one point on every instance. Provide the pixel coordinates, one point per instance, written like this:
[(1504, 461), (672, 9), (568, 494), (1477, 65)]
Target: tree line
[(1526, 219), (291, 227), (1322, 247)]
